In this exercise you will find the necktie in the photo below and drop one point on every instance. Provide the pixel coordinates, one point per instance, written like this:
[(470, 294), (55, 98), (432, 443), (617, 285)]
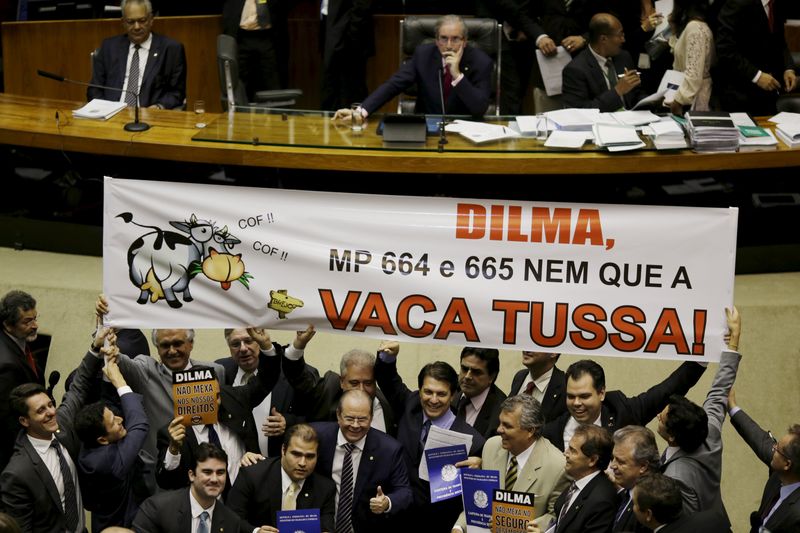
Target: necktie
[(447, 85), (770, 505), (31, 360), (423, 436), (247, 377), (344, 516), (202, 526), (70, 497), (564, 508), (213, 436), (611, 73), (529, 388), (622, 506), (290, 498), (262, 14), (133, 78), (461, 409), (511, 473), (771, 15)]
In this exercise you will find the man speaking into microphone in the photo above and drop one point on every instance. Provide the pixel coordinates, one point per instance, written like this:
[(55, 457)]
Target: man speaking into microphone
[(140, 61), (465, 73)]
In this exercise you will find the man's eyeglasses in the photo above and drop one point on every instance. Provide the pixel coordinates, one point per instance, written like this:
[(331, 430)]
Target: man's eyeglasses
[(775, 448), (455, 40), (361, 420)]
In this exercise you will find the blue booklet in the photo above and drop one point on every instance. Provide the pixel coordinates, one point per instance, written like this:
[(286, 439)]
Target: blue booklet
[(299, 521), (444, 476), (477, 487)]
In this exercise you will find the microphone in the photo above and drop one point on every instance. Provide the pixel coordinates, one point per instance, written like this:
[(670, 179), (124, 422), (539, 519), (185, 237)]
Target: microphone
[(52, 381), (130, 126), (442, 134)]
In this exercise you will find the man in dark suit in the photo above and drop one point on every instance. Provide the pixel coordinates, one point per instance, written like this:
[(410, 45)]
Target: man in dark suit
[(197, 506), (235, 430), (140, 60), (276, 412), (522, 37), (40, 487), (478, 400), (378, 489), (108, 464), (17, 365), (261, 31), (588, 401), (465, 73), (657, 504), (779, 511), (567, 23), (754, 60), (591, 501), (347, 39), (285, 483), (418, 412), (603, 75), (635, 455), (321, 395), (543, 380)]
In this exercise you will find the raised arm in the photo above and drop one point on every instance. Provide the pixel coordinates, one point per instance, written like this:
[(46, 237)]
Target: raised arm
[(716, 402)]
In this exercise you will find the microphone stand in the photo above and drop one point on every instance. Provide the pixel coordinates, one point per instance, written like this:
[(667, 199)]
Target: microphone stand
[(442, 134), (130, 126)]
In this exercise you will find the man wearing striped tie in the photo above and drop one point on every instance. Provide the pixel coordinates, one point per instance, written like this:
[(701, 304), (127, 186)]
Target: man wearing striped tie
[(527, 462), (140, 62)]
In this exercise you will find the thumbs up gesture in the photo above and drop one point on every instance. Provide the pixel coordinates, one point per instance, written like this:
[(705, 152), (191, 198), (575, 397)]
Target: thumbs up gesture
[(274, 425), (380, 503)]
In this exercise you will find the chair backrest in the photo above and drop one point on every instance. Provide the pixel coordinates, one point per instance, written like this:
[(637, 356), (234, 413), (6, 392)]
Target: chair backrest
[(231, 88), (483, 33)]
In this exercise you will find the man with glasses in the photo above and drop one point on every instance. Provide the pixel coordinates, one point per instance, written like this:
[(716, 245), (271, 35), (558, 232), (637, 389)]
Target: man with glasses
[(779, 511), (603, 75), (17, 364), (374, 487), (141, 62), (463, 72)]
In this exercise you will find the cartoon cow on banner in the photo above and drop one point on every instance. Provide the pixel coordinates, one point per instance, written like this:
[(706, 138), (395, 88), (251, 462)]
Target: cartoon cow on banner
[(162, 263)]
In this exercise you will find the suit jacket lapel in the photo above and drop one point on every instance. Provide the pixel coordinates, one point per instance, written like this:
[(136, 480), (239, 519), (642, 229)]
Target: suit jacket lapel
[(528, 475), (783, 510), (365, 466), (41, 470), (154, 59), (306, 494)]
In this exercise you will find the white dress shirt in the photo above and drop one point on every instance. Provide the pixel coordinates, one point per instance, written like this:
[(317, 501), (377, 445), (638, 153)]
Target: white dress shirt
[(50, 460), (144, 52), (197, 510), (338, 461)]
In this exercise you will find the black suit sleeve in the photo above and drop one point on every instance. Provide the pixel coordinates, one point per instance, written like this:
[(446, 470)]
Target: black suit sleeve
[(171, 84), (647, 405)]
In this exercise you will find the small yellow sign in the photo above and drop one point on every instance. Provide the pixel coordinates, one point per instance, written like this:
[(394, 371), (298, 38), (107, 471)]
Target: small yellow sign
[(195, 393)]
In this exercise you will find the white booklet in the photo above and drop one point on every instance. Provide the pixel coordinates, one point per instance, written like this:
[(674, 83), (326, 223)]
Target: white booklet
[(551, 68), (667, 88), (99, 109)]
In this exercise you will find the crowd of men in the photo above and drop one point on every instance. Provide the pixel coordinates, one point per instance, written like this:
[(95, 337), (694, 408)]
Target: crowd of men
[(350, 444), (616, 57)]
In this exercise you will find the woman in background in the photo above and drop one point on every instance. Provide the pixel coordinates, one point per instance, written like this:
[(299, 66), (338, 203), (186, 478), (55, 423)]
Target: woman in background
[(693, 49)]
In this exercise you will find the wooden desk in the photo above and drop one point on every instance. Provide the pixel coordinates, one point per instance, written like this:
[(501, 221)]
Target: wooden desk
[(31, 122)]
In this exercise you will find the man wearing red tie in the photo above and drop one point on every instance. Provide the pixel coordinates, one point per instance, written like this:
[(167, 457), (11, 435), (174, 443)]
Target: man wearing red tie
[(17, 364)]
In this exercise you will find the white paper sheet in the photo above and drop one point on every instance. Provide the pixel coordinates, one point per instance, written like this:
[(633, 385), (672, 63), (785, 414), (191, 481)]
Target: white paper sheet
[(439, 438), (551, 68)]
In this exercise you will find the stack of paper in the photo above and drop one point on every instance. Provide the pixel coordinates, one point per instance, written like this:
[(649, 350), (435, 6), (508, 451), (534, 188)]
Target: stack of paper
[(788, 126), (712, 131), (789, 133), (99, 109), (628, 118), (574, 119), (616, 138), (752, 137), (667, 134), (481, 132)]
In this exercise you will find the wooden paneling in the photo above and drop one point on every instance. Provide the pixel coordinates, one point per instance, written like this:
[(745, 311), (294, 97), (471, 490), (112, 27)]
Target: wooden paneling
[(63, 47)]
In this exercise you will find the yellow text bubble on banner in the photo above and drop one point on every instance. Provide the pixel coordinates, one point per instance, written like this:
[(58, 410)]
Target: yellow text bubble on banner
[(511, 511), (195, 393)]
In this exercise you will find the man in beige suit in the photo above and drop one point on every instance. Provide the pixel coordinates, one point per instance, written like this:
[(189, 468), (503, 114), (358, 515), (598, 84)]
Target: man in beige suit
[(527, 462)]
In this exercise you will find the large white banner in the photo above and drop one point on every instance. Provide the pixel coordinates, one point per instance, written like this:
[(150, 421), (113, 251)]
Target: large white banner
[(637, 281)]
